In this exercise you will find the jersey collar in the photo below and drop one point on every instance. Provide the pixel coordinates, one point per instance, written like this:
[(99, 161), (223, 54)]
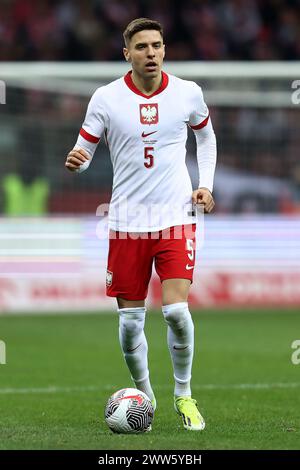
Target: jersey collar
[(131, 85)]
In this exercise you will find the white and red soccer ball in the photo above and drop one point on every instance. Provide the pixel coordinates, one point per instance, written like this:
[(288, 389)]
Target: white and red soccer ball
[(129, 411)]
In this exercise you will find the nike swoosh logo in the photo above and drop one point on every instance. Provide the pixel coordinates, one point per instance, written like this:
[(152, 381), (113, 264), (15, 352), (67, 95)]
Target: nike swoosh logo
[(149, 133), (130, 350), (189, 267)]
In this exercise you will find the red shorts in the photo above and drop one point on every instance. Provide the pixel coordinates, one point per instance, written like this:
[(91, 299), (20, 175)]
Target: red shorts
[(131, 256)]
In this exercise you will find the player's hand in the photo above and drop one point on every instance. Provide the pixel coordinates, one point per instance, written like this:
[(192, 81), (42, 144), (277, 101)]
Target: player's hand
[(204, 197), (76, 158)]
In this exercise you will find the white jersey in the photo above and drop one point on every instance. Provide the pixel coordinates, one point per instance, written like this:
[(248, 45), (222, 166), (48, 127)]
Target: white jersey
[(146, 137)]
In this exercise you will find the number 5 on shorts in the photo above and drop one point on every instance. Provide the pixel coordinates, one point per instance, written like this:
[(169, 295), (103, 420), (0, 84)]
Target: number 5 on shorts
[(190, 248)]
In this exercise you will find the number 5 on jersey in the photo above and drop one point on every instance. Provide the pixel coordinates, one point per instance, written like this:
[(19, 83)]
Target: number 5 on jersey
[(149, 158)]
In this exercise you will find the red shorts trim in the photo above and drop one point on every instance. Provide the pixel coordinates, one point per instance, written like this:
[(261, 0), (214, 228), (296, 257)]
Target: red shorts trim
[(131, 257)]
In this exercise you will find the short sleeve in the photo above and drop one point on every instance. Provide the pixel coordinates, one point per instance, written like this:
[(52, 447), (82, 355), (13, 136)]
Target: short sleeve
[(94, 122), (199, 113)]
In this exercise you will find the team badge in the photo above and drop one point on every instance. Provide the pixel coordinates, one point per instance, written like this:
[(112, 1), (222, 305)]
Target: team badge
[(109, 276), (149, 113)]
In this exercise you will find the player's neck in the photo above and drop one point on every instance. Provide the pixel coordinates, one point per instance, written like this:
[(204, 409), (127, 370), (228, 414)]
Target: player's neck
[(147, 87)]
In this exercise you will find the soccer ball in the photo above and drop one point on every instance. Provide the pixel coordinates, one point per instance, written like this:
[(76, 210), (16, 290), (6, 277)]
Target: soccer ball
[(129, 411)]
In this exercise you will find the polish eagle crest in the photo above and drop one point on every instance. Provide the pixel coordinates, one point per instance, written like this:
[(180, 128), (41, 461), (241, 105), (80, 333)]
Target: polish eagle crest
[(149, 113)]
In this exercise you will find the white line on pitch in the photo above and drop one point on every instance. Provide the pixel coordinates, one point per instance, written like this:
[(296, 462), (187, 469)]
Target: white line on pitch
[(93, 388)]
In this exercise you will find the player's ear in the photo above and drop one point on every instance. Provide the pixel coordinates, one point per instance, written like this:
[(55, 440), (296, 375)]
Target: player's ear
[(164, 49), (126, 54)]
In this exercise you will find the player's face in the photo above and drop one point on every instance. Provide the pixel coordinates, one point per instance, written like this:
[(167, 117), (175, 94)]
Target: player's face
[(146, 53)]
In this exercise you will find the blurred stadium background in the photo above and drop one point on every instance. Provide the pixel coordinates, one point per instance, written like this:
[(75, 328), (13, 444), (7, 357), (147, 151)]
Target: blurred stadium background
[(246, 56), (53, 56)]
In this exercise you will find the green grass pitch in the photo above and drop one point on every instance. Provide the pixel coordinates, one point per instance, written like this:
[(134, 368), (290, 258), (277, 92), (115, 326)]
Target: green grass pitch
[(61, 370)]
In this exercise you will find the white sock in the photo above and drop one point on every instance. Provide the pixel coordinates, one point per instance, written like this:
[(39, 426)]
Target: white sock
[(181, 345), (134, 346)]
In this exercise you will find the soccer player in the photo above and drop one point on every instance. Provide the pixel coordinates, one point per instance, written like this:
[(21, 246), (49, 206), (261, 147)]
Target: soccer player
[(144, 117)]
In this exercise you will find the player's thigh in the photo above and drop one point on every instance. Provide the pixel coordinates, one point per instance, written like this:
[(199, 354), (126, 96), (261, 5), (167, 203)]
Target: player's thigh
[(175, 290), (175, 262), (129, 269)]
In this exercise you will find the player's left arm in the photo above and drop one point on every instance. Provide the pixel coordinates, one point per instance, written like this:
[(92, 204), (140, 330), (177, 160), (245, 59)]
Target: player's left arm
[(200, 122), (206, 157), (204, 197)]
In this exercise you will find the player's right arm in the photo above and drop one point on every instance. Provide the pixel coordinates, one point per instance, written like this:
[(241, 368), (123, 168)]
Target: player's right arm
[(79, 158)]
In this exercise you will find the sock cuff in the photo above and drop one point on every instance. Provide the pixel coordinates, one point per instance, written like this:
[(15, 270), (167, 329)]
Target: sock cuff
[(171, 307), (182, 382), (133, 311), (141, 380)]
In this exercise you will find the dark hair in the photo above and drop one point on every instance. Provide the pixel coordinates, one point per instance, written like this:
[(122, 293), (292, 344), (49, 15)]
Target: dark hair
[(139, 24)]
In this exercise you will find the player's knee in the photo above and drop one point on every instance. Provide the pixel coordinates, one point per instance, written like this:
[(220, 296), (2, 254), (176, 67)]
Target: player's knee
[(177, 315), (131, 323)]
